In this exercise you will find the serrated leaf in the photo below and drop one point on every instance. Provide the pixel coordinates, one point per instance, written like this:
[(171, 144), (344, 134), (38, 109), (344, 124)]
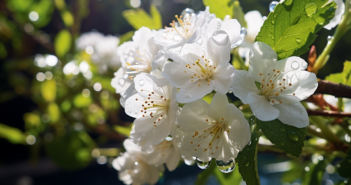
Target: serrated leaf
[(344, 77), (202, 178), (291, 29), (345, 166), (315, 173), (48, 90), (62, 43), (288, 138), (247, 158), (228, 178), (139, 18), (223, 8), (14, 135)]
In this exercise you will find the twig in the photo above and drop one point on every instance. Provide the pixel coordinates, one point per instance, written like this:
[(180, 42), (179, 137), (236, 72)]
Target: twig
[(337, 90), (328, 113)]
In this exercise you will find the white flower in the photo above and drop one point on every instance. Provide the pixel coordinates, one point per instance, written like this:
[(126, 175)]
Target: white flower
[(199, 72), (283, 84), (334, 101), (88, 39), (187, 29), (217, 131), (137, 57), (133, 168), (105, 53), (340, 10), (154, 108)]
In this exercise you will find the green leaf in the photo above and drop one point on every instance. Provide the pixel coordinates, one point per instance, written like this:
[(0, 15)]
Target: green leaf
[(345, 166), (3, 51), (122, 130), (54, 112), (67, 18), (315, 173), (126, 37), (228, 178), (344, 77), (62, 43), (288, 138), (247, 158), (202, 178), (292, 28), (80, 101), (223, 8), (48, 90), (139, 18), (14, 135)]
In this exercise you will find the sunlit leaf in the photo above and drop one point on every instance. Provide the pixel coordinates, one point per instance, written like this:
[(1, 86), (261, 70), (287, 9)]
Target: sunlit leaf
[(247, 158), (62, 43), (223, 8), (67, 18), (80, 101), (54, 112), (126, 37), (14, 135), (65, 106), (122, 130), (139, 18), (293, 25), (315, 173), (344, 77), (19, 5), (288, 138), (48, 90), (31, 120)]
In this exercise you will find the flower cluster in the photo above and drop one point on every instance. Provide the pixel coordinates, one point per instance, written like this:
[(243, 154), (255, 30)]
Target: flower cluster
[(181, 64)]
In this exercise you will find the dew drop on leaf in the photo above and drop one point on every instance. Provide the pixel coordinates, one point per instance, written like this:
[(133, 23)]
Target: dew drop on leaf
[(288, 2), (169, 138), (272, 5), (273, 21), (293, 136), (298, 40), (225, 167), (330, 38), (311, 9), (203, 165), (247, 163)]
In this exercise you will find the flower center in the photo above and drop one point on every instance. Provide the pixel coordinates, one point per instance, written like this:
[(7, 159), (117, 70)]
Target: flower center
[(163, 147), (184, 30), (275, 83), (201, 69), (141, 64)]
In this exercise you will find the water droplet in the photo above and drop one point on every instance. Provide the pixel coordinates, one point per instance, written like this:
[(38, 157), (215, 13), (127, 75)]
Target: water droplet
[(225, 167), (203, 165), (230, 90), (169, 138), (264, 18), (272, 38), (273, 21), (249, 143), (330, 38), (141, 82), (304, 65), (177, 37), (243, 32), (121, 81), (125, 76), (199, 41), (258, 38), (293, 136), (281, 55), (295, 65), (136, 111), (272, 5), (188, 95), (149, 150), (187, 11), (288, 2), (251, 54), (247, 163), (220, 37), (189, 162), (219, 25), (311, 9), (130, 110), (298, 40)]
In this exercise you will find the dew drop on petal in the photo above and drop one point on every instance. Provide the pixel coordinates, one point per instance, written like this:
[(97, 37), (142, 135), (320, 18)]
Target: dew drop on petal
[(141, 82), (169, 138), (187, 11), (125, 76), (230, 90), (130, 111), (121, 81), (203, 165), (188, 95), (220, 37), (272, 5), (189, 162), (225, 167), (149, 150), (243, 32), (293, 136), (295, 65), (136, 111), (304, 65), (199, 41)]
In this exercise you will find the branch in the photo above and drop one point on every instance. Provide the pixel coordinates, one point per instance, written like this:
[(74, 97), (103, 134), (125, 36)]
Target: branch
[(327, 113), (338, 90)]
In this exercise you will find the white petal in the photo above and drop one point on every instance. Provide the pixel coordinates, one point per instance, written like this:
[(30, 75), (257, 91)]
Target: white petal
[(218, 106), (254, 21), (262, 56), (239, 127), (223, 77), (194, 92), (338, 15), (133, 106), (218, 47), (233, 28), (121, 82), (261, 108), (145, 84), (141, 37), (130, 146), (173, 160), (293, 114), (291, 65), (308, 85), (243, 84)]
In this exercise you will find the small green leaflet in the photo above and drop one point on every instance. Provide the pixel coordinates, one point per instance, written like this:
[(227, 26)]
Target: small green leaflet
[(293, 25), (344, 77), (286, 137), (247, 158), (223, 8), (139, 18), (62, 43), (345, 166), (315, 173)]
